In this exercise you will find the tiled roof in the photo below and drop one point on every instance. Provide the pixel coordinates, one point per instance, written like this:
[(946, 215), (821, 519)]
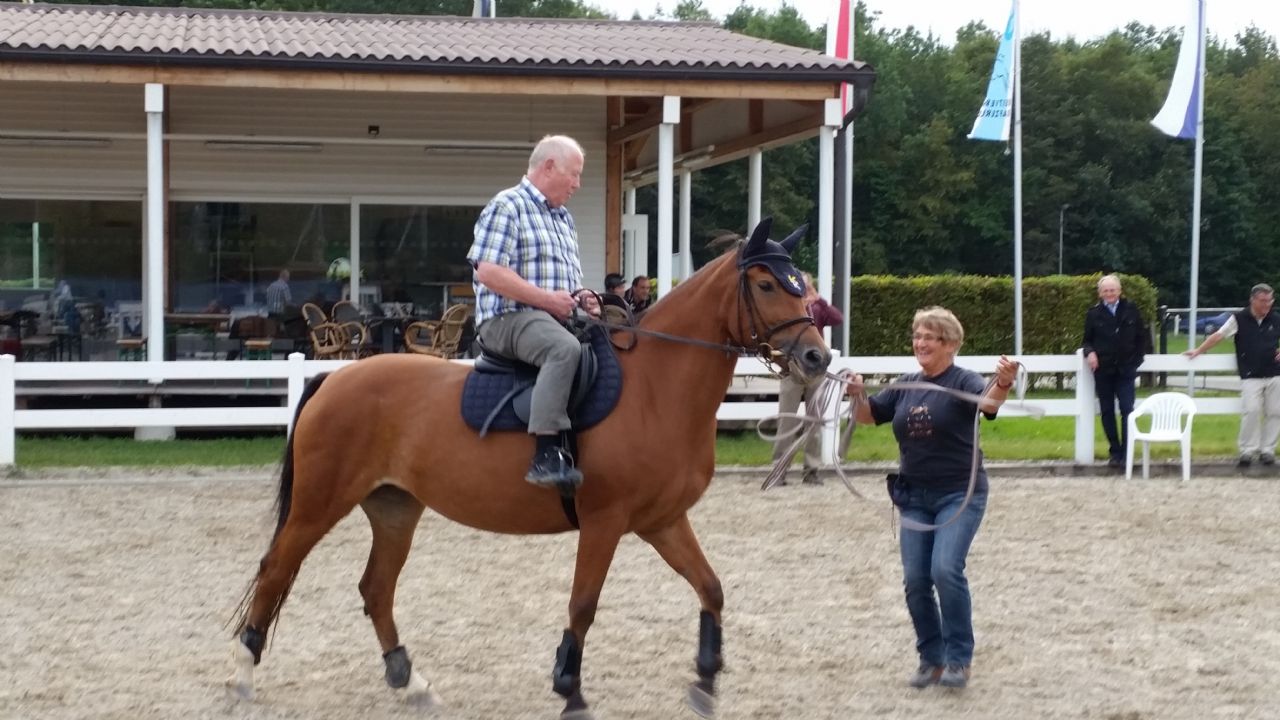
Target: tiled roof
[(193, 36)]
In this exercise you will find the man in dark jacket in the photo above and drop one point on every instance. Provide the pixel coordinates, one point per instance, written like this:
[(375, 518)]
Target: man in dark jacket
[(1115, 342), (1257, 333)]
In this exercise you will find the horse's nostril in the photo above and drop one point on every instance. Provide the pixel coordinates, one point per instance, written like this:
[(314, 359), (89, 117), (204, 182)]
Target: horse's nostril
[(816, 358)]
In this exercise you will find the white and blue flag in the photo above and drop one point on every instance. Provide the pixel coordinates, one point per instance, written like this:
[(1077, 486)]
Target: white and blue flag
[(1181, 109), (997, 110)]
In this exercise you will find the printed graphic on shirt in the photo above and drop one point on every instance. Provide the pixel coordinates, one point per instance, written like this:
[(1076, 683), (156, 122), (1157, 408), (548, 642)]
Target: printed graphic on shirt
[(919, 422)]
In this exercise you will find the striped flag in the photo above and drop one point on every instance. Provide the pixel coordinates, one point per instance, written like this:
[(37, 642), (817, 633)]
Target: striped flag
[(996, 114), (1181, 109), (484, 8), (840, 45)]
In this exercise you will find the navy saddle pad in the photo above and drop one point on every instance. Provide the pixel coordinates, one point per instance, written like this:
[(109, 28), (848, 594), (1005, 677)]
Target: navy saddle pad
[(484, 390)]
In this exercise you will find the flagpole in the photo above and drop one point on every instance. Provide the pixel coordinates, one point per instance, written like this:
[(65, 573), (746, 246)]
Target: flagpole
[(1195, 192), (1017, 178)]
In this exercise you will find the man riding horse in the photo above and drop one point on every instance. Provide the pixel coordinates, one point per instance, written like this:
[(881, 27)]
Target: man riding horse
[(526, 264)]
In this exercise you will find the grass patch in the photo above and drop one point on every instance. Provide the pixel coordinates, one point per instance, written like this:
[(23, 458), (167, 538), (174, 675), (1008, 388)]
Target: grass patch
[(1014, 438)]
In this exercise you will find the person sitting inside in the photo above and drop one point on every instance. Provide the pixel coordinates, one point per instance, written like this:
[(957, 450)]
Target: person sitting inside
[(637, 296)]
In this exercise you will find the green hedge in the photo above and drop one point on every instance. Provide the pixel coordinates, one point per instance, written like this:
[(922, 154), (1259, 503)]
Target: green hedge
[(1053, 310)]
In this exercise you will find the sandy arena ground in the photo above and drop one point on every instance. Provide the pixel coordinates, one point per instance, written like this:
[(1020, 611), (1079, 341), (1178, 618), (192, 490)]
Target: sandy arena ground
[(1094, 598)]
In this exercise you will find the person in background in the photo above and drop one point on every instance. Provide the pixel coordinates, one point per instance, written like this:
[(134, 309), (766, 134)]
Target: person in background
[(1115, 342), (1257, 333), (278, 295), (936, 443), (637, 296), (527, 262), (792, 392), (614, 285)]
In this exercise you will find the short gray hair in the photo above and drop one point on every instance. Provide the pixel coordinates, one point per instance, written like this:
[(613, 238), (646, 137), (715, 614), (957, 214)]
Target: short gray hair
[(1261, 289), (554, 147), (940, 321), (1111, 276)]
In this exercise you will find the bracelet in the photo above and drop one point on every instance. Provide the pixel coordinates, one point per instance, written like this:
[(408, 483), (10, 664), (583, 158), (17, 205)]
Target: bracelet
[(1002, 386)]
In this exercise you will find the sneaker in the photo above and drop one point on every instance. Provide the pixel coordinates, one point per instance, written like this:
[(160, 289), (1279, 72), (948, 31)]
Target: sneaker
[(925, 675), (1244, 462), (553, 467), (954, 676), (1267, 459), (1115, 462), (811, 477)]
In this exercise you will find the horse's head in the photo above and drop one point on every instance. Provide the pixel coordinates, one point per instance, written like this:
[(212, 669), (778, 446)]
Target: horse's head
[(772, 306)]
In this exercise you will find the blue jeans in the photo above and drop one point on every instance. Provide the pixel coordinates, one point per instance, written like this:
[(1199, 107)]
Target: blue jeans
[(935, 559)]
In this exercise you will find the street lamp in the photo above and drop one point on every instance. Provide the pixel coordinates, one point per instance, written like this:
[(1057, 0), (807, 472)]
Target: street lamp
[(1061, 211)]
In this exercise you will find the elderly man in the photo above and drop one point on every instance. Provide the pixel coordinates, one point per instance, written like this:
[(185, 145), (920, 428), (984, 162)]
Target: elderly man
[(526, 261), (1257, 333), (1115, 342)]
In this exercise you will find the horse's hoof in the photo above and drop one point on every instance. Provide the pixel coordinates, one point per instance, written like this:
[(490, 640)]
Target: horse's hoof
[(418, 693), (583, 714), (701, 702), (238, 690)]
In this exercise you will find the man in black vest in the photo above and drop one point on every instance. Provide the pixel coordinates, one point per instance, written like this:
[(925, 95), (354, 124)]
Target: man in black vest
[(1257, 333), (1115, 342)]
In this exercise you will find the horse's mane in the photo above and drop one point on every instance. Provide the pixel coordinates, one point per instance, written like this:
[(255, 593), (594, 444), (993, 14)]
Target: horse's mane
[(729, 240)]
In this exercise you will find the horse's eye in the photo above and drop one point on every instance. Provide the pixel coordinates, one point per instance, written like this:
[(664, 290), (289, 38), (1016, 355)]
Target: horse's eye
[(765, 285)]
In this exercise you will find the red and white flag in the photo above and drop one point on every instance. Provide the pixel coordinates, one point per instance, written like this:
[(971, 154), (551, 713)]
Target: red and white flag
[(840, 44)]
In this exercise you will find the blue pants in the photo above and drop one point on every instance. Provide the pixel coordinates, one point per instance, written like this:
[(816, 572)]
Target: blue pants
[(935, 560), (1115, 387)]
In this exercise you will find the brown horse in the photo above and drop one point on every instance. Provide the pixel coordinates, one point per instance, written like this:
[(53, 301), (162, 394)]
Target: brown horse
[(362, 438)]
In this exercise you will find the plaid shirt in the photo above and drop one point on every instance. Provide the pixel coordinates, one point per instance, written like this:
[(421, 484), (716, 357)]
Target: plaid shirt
[(518, 230)]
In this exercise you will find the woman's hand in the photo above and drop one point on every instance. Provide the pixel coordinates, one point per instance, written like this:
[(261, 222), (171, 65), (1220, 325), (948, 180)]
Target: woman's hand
[(856, 388), (1006, 372)]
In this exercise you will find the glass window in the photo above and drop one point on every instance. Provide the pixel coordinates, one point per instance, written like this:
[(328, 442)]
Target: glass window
[(417, 254), (69, 264), (225, 256)]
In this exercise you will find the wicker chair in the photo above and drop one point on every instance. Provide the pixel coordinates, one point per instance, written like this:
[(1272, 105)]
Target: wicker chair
[(348, 316), (438, 337)]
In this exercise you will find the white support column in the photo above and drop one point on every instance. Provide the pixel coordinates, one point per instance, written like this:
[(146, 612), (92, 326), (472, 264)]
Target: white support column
[(754, 181), (686, 202), (666, 181), (8, 401), (1086, 410), (826, 198), (153, 254), (296, 383)]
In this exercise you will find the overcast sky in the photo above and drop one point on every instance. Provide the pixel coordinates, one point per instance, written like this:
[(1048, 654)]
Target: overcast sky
[(1082, 19)]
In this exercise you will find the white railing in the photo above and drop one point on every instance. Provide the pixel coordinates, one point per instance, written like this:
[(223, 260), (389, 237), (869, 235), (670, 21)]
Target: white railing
[(750, 376)]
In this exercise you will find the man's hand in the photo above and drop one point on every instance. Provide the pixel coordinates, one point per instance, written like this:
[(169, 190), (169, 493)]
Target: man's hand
[(1194, 352), (1092, 359), (560, 304)]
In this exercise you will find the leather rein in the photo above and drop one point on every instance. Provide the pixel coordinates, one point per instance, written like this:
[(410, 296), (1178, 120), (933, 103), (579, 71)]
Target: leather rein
[(760, 346)]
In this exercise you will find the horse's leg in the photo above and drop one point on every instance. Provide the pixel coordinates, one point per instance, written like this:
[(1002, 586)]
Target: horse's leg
[(679, 547), (393, 515), (596, 545), (276, 574)]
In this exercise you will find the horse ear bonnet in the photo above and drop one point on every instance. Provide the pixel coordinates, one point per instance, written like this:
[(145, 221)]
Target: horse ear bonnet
[(773, 256)]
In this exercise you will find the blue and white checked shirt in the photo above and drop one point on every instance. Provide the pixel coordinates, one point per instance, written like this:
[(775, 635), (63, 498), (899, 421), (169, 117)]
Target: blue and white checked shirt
[(518, 230)]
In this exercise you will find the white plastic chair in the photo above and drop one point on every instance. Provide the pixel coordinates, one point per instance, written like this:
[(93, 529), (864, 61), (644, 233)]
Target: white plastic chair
[(1167, 411)]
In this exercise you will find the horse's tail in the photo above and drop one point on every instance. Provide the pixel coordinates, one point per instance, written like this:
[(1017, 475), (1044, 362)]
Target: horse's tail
[(284, 498), (284, 501)]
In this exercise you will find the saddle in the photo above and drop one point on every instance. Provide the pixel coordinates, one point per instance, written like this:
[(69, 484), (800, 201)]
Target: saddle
[(498, 392)]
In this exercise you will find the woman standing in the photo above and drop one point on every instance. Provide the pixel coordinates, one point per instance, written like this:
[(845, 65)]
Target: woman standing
[(935, 438)]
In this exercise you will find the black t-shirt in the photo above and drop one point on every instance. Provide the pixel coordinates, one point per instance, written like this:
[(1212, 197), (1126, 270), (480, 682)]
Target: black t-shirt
[(934, 430)]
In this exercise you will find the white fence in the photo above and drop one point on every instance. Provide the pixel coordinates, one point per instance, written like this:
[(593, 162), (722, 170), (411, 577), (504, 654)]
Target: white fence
[(295, 371)]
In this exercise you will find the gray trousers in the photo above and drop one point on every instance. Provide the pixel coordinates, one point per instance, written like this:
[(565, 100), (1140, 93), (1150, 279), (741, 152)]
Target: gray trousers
[(534, 337), (791, 393)]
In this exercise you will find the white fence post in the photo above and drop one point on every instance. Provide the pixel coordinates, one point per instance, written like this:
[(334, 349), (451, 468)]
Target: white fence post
[(829, 432), (8, 401), (1085, 410), (297, 380)]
